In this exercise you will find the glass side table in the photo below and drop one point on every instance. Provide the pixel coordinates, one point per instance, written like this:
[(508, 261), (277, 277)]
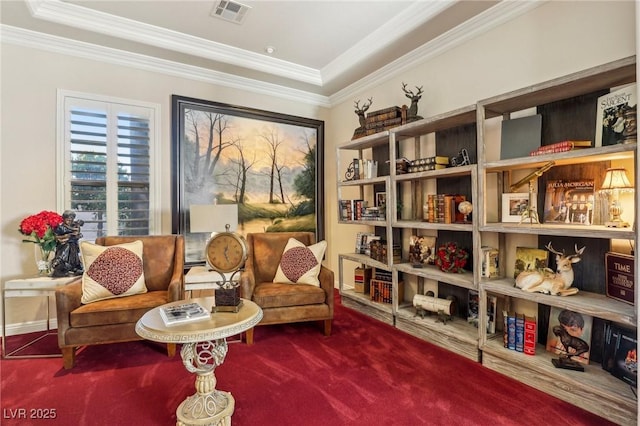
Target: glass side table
[(30, 287)]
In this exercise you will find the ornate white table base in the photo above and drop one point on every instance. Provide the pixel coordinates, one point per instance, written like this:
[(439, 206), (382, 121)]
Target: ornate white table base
[(207, 406), (204, 347)]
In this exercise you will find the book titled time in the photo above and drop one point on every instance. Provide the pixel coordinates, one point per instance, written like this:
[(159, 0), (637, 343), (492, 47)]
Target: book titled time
[(183, 313)]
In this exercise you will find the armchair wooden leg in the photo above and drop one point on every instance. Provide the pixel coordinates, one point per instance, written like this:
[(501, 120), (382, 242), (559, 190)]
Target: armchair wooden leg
[(327, 327), (171, 349), (68, 357), (248, 335)]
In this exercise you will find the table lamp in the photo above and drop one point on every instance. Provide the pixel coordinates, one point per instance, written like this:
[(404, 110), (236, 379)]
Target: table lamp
[(213, 217), (616, 181)]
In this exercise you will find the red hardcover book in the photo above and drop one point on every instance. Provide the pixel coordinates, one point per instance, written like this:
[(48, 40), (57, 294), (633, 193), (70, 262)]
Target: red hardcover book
[(530, 335), (562, 146)]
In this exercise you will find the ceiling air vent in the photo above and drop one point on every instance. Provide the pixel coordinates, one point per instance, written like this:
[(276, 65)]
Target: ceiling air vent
[(230, 11)]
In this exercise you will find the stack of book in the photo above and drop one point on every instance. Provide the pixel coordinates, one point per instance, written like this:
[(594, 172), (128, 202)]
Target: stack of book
[(384, 119), (443, 208), (562, 146), (360, 210), (435, 162), (364, 169), (520, 332), (382, 287)]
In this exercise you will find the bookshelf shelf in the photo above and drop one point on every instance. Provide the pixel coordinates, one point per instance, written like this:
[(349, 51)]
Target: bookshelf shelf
[(457, 335), (432, 272), (594, 304), (592, 231), (576, 157)]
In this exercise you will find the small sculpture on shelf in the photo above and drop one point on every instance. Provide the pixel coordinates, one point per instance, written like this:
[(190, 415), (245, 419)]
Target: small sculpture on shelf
[(548, 282), (360, 112), (351, 171), (462, 159), (412, 112), (66, 261), (573, 346), (566, 340)]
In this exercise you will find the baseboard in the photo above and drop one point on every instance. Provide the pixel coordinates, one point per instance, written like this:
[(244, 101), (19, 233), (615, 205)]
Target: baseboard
[(30, 327)]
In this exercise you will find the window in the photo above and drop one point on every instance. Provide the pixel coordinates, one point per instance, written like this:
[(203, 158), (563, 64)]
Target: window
[(106, 167)]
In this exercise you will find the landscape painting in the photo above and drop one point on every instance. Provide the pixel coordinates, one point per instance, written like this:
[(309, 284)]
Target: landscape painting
[(269, 164)]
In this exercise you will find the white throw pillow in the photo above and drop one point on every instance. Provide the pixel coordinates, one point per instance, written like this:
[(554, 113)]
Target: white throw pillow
[(300, 264), (111, 271)]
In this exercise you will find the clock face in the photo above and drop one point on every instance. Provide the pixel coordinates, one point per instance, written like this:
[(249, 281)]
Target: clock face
[(226, 252)]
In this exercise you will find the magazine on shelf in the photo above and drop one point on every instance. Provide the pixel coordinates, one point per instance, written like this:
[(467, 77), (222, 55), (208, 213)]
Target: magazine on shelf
[(569, 201), (616, 117), (183, 313)]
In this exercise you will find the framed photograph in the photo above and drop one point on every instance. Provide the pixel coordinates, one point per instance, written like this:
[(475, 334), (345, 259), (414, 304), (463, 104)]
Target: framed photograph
[(515, 204), (381, 199), (270, 165)]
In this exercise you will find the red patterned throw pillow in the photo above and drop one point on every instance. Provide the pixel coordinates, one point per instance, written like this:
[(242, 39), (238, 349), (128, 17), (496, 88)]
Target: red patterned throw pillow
[(111, 271), (300, 264)]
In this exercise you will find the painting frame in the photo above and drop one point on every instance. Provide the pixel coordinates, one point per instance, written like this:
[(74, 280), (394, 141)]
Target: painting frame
[(185, 146), (510, 201)]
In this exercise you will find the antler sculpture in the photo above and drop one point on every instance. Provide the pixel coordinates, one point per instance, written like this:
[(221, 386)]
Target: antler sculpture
[(361, 110), (412, 112)]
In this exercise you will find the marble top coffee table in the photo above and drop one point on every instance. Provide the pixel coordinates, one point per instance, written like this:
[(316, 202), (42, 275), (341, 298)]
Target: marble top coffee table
[(204, 347)]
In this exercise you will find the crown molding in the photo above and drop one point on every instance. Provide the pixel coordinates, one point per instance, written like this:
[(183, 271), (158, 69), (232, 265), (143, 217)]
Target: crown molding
[(46, 42), (491, 18), (409, 19), (92, 20), (487, 20)]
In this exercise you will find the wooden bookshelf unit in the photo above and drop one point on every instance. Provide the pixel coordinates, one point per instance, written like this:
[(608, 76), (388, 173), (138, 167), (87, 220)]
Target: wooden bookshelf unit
[(567, 105)]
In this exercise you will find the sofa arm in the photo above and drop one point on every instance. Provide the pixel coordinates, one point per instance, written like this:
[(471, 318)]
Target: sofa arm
[(68, 298), (247, 284), (326, 278)]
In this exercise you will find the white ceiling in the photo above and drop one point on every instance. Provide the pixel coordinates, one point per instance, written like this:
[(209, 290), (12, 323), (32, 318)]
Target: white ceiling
[(323, 49)]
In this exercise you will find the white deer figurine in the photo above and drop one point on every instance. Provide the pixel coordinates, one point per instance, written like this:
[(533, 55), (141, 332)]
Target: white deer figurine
[(548, 282)]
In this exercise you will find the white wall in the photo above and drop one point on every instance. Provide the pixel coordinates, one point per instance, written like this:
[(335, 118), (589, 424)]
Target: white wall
[(552, 40)]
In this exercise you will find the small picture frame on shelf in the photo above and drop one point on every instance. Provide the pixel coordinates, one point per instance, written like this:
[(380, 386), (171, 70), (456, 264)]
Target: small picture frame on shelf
[(516, 204), (381, 199)]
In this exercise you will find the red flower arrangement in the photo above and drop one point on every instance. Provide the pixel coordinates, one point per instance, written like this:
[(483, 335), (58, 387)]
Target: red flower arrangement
[(40, 227), (450, 258)]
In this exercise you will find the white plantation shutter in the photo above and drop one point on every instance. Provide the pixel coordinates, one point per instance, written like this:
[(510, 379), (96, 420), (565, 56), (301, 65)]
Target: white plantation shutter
[(107, 172)]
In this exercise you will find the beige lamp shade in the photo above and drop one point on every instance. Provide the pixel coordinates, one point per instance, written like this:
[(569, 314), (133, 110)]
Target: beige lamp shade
[(615, 182), (213, 217), (616, 178)]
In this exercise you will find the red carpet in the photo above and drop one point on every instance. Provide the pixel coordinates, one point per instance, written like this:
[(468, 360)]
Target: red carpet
[(365, 373)]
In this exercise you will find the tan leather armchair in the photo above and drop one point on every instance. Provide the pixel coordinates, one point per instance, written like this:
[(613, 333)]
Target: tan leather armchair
[(114, 320), (281, 302)]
